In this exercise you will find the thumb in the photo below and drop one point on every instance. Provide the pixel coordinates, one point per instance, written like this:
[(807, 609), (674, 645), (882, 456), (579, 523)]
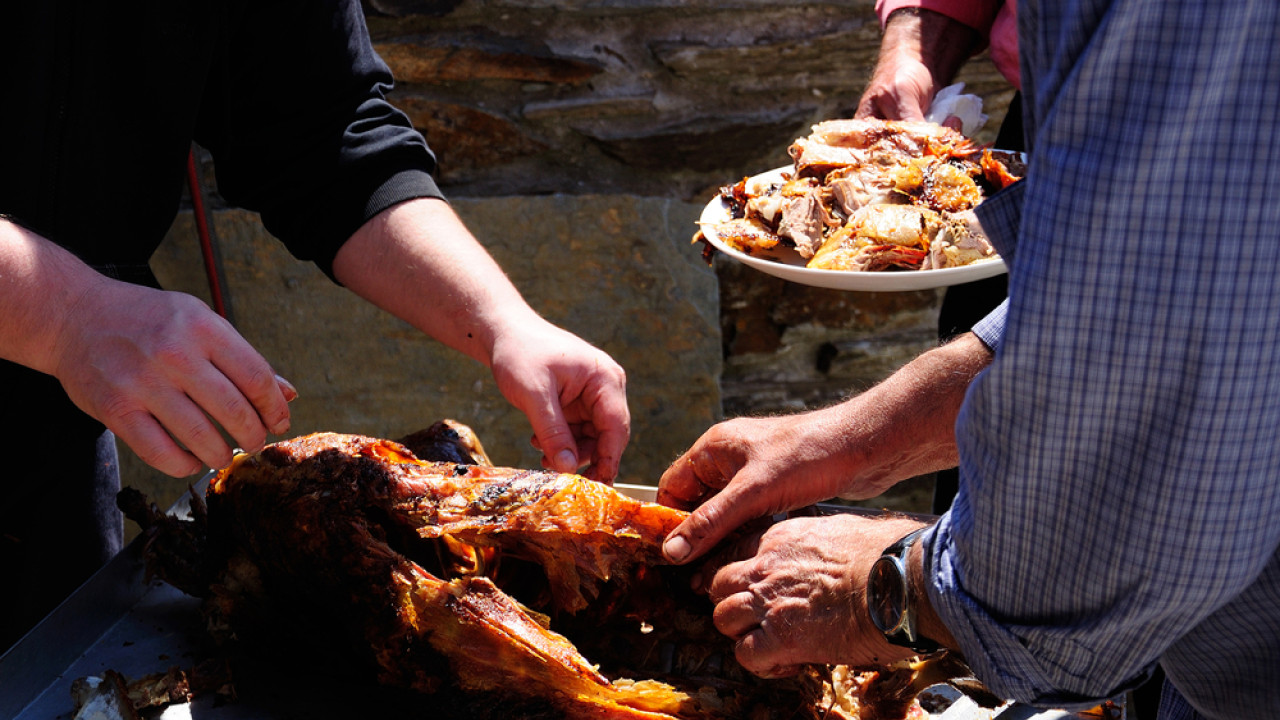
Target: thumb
[(706, 526)]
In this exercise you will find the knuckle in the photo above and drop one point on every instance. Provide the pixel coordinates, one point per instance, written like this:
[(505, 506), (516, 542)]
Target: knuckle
[(170, 461), (172, 353), (698, 525), (119, 408), (237, 413), (202, 322), (262, 382), (201, 439), (708, 518), (556, 436), (243, 421)]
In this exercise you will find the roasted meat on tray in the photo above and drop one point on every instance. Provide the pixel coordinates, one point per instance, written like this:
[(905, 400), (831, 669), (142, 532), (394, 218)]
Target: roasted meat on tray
[(447, 577)]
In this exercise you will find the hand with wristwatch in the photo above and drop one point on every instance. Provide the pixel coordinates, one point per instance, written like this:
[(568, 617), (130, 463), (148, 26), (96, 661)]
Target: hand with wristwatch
[(889, 597)]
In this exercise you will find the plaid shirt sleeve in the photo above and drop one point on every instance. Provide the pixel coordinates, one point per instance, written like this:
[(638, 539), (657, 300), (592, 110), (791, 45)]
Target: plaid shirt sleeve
[(1120, 459)]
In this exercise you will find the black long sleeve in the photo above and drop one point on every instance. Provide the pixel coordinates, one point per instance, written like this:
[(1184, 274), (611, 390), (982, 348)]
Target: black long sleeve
[(102, 101)]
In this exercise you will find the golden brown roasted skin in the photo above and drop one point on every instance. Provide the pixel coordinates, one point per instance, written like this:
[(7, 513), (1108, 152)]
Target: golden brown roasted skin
[(328, 548), (341, 531)]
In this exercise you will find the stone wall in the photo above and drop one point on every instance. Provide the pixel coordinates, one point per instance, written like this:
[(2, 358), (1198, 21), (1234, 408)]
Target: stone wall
[(579, 140), (663, 98)]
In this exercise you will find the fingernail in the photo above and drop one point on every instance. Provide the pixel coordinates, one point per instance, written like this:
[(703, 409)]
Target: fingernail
[(566, 461), (290, 392), (676, 548)]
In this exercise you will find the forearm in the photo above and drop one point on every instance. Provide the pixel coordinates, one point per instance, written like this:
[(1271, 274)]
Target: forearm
[(905, 426), (936, 41), (40, 284), (418, 261), (944, 376), (747, 468)]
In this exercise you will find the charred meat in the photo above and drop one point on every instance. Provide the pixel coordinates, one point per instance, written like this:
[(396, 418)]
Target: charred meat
[(356, 548)]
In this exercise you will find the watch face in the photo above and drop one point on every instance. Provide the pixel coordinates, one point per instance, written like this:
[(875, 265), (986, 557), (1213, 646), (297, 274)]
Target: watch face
[(887, 594)]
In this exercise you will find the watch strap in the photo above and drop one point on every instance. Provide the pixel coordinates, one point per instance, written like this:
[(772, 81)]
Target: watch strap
[(906, 634)]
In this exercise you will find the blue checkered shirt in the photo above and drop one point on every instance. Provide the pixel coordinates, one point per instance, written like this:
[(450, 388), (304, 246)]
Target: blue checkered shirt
[(1119, 502)]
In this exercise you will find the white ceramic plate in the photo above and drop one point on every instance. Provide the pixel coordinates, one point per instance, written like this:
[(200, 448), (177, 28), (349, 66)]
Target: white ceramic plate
[(787, 264)]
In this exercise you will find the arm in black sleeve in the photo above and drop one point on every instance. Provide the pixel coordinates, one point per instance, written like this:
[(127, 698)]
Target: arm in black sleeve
[(299, 127)]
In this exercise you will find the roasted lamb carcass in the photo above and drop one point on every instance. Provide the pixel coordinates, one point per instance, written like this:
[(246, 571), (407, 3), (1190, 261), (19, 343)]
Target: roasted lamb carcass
[(343, 547), (350, 547), (341, 529)]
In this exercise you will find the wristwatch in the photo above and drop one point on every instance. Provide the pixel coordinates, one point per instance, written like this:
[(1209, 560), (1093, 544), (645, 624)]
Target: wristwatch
[(889, 597)]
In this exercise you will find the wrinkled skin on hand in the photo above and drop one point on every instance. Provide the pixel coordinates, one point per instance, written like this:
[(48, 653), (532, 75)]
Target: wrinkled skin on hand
[(796, 594), (898, 91), (573, 394), (747, 468), (164, 372), (919, 55)]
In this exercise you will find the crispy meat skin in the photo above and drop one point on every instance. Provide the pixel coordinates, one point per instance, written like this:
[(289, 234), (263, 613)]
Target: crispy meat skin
[(321, 518), (748, 235), (352, 547)]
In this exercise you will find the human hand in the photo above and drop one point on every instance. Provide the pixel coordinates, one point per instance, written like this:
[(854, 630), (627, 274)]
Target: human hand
[(920, 53), (796, 594), (747, 468), (418, 261), (906, 95), (900, 89), (163, 372), (573, 394)]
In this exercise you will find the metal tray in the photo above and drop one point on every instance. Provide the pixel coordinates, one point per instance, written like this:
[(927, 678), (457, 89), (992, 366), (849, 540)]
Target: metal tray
[(117, 621)]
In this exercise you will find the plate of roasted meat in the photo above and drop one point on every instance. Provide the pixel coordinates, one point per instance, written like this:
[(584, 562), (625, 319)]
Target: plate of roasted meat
[(871, 205)]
